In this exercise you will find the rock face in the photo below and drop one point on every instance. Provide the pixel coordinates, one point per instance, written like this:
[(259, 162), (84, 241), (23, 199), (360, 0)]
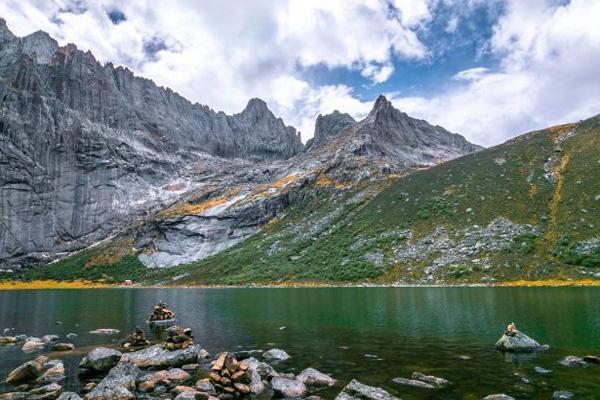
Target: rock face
[(95, 146), (118, 384), (328, 127)]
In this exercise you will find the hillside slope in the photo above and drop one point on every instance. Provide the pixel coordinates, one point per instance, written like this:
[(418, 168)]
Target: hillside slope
[(527, 209)]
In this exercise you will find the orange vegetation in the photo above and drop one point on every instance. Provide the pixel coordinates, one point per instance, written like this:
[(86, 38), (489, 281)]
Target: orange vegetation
[(552, 282), (50, 284), (186, 208)]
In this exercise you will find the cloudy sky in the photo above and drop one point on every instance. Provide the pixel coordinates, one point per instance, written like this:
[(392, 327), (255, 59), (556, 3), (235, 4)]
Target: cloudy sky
[(488, 69)]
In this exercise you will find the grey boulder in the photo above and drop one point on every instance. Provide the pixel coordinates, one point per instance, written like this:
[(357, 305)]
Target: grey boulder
[(284, 387), (156, 357), (358, 391), (101, 359), (275, 355), (519, 342), (311, 376), (119, 384), (25, 372)]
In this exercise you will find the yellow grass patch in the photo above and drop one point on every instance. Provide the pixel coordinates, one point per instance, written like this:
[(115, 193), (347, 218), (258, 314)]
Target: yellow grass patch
[(50, 284), (533, 190), (552, 282)]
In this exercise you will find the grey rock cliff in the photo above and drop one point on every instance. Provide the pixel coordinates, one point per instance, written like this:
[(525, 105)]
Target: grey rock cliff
[(85, 148)]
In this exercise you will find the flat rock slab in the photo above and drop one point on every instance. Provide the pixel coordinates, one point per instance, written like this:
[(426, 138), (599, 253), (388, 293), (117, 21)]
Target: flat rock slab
[(101, 359), (358, 391), (499, 396), (158, 358), (118, 384), (105, 331), (413, 383)]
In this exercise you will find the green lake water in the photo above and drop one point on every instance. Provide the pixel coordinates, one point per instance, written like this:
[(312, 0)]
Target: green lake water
[(371, 334)]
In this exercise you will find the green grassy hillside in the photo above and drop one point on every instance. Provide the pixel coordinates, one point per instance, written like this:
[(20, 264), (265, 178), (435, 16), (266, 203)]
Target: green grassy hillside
[(527, 209)]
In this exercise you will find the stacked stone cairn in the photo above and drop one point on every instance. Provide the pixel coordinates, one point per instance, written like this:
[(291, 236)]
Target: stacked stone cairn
[(230, 378), (178, 338), (135, 340), (161, 313)]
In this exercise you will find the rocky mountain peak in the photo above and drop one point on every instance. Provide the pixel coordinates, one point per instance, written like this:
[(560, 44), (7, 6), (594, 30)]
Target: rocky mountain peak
[(39, 46), (330, 126), (382, 110), (5, 33), (257, 108)]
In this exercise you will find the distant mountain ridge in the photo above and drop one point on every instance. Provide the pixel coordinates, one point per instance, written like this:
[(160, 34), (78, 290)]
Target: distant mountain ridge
[(88, 150)]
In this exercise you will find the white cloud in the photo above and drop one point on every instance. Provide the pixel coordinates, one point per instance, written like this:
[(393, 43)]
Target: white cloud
[(548, 75)]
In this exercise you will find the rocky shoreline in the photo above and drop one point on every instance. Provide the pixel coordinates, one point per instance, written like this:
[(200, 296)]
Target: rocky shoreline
[(177, 368)]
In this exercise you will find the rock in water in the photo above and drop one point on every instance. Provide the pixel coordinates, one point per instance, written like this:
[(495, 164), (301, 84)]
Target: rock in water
[(573, 362), (438, 383), (25, 372), (51, 391), (500, 396), (285, 387), (311, 376), (161, 313), (562, 394), (275, 355), (157, 357), (32, 344), (119, 384), (105, 331), (517, 341), (179, 338), (69, 396), (357, 391), (413, 383), (56, 373), (63, 347), (101, 359)]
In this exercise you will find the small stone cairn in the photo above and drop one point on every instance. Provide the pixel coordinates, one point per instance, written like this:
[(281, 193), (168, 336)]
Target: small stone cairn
[(229, 377), (178, 338), (161, 313), (135, 340)]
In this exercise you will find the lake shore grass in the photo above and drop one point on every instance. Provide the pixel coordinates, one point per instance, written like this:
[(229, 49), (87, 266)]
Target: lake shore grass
[(50, 284), (85, 284)]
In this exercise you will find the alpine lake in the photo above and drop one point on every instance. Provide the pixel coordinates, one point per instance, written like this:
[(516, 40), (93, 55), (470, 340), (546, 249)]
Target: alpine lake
[(370, 334)]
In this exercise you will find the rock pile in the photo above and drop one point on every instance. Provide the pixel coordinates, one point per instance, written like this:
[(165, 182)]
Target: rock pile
[(179, 338), (161, 313), (135, 340), (229, 377)]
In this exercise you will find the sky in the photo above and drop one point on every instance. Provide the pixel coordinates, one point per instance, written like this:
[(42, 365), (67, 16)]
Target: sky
[(487, 69)]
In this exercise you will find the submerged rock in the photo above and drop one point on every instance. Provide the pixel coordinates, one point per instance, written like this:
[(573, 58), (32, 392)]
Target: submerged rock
[(32, 344), (275, 355), (541, 370), (55, 373), (63, 347), (101, 359), (8, 340), (413, 383), (105, 331), (500, 396), (573, 362), (285, 387), (562, 394)]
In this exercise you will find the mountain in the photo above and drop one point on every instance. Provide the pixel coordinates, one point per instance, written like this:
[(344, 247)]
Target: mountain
[(523, 210), (97, 160), (87, 148)]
